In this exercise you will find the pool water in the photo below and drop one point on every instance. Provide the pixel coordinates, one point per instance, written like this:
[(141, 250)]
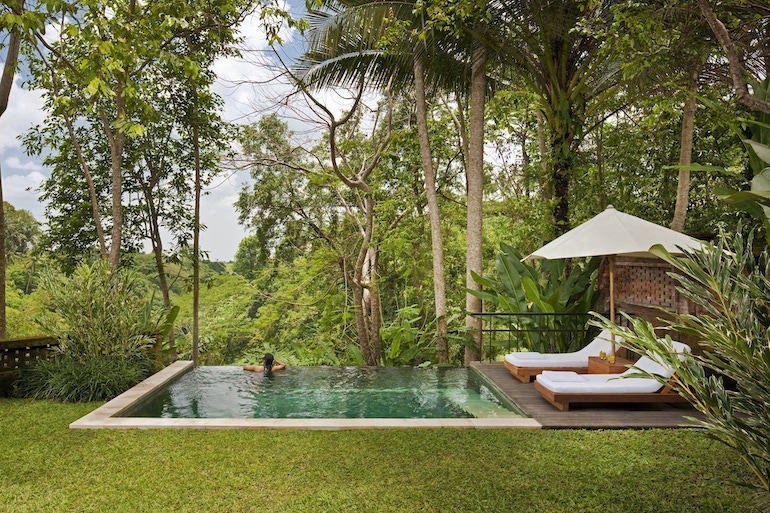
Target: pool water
[(326, 392)]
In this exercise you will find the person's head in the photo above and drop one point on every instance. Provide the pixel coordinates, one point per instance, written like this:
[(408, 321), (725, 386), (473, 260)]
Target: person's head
[(267, 361)]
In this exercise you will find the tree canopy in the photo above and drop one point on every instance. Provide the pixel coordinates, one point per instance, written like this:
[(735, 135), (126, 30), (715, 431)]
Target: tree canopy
[(506, 124)]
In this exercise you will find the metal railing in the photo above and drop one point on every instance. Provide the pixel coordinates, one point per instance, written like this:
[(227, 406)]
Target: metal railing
[(502, 333)]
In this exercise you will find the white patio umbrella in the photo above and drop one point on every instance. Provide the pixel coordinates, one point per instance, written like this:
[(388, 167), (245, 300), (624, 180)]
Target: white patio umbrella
[(613, 233)]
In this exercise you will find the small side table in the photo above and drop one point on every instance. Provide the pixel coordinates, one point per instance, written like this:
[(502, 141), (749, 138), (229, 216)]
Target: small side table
[(598, 366)]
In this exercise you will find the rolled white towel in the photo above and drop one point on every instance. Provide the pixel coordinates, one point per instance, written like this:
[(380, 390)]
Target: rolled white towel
[(529, 356), (563, 376)]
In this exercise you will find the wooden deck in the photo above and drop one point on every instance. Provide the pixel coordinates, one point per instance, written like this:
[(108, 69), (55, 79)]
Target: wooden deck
[(585, 416)]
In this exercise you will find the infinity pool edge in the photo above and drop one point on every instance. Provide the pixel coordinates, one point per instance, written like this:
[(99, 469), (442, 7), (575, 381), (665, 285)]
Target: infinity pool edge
[(106, 416)]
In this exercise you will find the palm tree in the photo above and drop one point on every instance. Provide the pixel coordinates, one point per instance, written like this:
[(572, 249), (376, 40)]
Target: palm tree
[(549, 45), (474, 172), (387, 43)]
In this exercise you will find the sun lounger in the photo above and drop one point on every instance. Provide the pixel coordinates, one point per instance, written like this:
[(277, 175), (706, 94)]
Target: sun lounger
[(562, 388), (524, 365)]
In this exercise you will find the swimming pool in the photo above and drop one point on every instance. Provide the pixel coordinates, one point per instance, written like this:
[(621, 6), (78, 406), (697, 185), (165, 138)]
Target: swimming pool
[(326, 392), (112, 414)]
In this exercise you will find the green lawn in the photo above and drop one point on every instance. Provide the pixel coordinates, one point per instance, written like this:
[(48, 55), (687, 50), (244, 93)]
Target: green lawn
[(47, 467)]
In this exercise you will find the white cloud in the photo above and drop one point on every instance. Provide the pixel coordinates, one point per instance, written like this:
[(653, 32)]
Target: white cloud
[(223, 233), (250, 86), (21, 174), (20, 190), (28, 165), (24, 111)]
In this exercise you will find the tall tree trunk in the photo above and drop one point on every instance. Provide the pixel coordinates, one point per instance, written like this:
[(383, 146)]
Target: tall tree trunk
[(9, 68), (362, 329), (685, 152), (91, 187), (475, 180), (95, 214), (116, 237), (6, 84), (560, 177), (365, 292), (362, 307), (116, 139), (366, 300), (148, 187), (157, 246), (156, 240), (157, 251), (437, 245), (561, 160), (196, 241)]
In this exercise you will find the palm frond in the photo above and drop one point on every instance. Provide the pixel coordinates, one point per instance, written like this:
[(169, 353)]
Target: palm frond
[(377, 42)]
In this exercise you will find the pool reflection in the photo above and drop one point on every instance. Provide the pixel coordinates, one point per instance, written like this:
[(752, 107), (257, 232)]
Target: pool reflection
[(326, 392)]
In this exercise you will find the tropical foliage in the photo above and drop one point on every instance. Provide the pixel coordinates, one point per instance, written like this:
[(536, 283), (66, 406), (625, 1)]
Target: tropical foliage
[(570, 109), (368, 234), (96, 313), (550, 291), (69, 379), (728, 377), (756, 200), (106, 325)]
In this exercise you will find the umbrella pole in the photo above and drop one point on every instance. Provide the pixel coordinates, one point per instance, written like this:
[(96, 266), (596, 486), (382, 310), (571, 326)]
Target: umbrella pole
[(612, 298)]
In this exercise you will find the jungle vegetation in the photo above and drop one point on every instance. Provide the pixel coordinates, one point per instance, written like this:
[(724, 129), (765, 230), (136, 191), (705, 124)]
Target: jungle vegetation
[(365, 239)]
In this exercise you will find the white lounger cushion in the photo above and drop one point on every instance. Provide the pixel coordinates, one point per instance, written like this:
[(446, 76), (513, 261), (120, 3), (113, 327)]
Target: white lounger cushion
[(563, 382), (602, 342), (652, 367), (599, 384)]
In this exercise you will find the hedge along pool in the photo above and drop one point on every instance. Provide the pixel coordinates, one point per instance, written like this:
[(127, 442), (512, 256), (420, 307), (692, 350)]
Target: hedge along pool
[(326, 392), (222, 390)]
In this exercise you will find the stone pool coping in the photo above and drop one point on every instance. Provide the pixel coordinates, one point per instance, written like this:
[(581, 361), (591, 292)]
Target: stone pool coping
[(106, 416)]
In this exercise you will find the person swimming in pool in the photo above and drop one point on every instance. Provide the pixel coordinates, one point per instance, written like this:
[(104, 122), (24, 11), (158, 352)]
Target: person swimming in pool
[(269, 364)]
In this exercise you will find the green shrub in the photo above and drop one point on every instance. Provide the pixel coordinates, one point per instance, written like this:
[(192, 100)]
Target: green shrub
[(97, 313), (408, 340), (69, 379), (106, 325)]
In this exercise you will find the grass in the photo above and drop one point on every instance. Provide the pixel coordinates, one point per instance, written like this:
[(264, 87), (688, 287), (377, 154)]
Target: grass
[(47, 467)]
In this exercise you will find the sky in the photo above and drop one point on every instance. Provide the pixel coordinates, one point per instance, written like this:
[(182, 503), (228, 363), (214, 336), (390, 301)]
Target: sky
[(245, 86)]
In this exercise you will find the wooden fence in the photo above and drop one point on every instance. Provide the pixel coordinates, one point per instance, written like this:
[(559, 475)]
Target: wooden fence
[(17, 353)]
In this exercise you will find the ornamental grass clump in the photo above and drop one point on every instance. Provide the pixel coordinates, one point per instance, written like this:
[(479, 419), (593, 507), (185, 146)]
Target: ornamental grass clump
[(69, 379), (105, 324), (728, 380), (98, 313)]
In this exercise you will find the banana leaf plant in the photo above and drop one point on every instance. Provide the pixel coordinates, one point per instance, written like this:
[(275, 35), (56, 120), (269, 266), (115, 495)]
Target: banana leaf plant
[(756, 200), (544, 289)]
